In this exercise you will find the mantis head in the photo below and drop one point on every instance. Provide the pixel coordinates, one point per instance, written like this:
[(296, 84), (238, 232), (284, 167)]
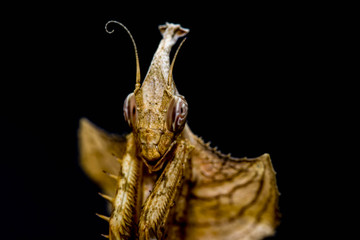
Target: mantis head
[(155, 111)]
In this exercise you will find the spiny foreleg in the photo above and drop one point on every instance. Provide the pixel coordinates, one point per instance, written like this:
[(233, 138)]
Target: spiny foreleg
[(156, 211), (126, 202)]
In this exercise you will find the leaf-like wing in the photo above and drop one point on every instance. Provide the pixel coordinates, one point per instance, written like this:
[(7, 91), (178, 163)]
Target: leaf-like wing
[(232, 198), (99, 152)]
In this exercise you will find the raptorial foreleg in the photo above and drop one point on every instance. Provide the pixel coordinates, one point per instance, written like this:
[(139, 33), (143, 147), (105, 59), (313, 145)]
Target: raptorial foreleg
[(156, 211), (124, 217)]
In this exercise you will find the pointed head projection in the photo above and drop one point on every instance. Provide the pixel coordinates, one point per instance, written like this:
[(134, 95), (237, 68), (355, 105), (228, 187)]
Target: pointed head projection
[(155, 111)]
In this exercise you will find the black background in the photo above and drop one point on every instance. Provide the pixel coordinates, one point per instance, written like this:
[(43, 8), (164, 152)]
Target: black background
[(249, 73)]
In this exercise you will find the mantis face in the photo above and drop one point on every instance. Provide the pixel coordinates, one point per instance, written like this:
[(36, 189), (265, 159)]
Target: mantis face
[(155, 126), (155, 111)]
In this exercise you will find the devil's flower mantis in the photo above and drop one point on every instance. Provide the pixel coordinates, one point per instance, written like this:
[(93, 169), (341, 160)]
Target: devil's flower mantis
[(164, 182)]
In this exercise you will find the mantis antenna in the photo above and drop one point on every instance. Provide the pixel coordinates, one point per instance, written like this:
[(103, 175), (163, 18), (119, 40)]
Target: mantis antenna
[(137, 85), (172, 64)]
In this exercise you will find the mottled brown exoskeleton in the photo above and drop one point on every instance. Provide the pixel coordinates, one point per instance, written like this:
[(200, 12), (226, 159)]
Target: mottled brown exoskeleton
[(162, 181)]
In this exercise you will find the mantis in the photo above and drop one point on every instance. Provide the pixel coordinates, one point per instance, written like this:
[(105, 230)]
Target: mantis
[(164, 182)]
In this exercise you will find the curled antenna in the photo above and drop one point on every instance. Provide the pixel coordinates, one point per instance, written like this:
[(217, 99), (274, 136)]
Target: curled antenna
[(137, 85), (172, 64)]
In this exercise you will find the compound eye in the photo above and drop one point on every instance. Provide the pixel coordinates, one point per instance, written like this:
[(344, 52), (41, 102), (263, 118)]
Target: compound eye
[(130, 112), (176, 114)]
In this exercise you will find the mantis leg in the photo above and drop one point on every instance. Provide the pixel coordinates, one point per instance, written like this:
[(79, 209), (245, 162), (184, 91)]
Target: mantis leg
[(156, 211), (127, 200)]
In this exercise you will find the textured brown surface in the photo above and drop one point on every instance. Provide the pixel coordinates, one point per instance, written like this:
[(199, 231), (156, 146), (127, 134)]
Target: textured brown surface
[(186, 189), (97, 154)]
